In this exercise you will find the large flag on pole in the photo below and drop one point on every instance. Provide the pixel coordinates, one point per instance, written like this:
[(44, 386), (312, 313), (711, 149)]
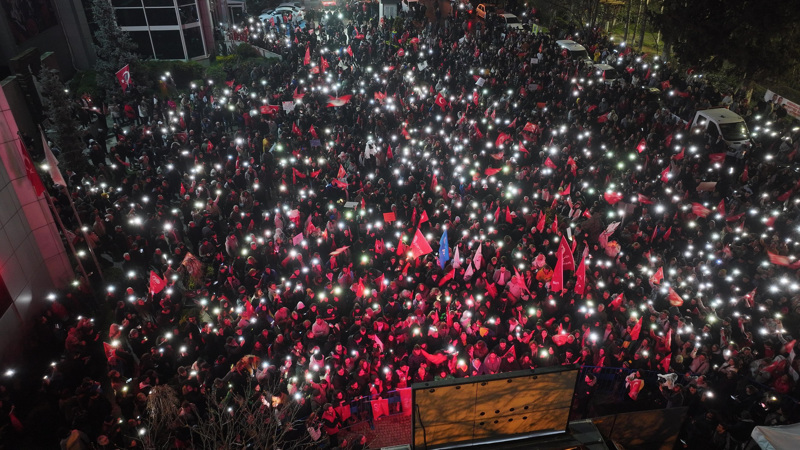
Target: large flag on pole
[(52, 163), (569, 260), (419, 246), (580, 282), (557, 282), (444, 250), (157, 284), (30, 171)]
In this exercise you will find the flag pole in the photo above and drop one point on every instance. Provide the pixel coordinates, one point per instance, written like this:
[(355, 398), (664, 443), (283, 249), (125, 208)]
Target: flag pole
[(57, 217), (85, 234), (80, 224)]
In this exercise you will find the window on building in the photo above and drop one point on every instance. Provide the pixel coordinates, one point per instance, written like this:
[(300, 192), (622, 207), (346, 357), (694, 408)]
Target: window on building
[(194, 42), (189, 15), (130, 17), (159, 2), (168, 44), (143, 45), (161, 16), (126, 3)]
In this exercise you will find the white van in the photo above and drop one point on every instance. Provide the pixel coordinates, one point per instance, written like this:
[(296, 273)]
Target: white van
[(605, 73), (721, 121), (575, 51)]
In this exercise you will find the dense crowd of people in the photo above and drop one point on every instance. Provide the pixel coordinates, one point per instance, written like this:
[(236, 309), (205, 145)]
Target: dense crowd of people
[(390, 205)]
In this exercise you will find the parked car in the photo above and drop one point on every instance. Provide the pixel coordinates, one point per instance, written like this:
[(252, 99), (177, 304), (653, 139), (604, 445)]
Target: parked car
[(605, 73), (281, 13), (510, 21), (725, 123), (484, 9), (575, 51)]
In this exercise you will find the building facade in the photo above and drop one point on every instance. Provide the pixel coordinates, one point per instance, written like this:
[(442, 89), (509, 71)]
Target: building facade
[(168, 29)]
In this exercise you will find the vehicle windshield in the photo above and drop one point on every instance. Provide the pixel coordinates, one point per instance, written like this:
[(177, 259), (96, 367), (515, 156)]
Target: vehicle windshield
[(510, 20), (579, 54), (611, 74), (734, 131)]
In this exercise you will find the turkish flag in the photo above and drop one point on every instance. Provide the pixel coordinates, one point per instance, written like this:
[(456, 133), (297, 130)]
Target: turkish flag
[(721, 207), (540, 224), (549, 163), (580, 281), (700, 210), (666, 362), (645, 200), (342, 173), (313, 132), (665, 175), (349, 51), (441, 101), (779, 260), (307, 58), (380, 96), (157, 284), (557, 282), (30, 171), (612, 197), (477, 130), (674, 298), (501, 138), (680, 155), (296, 129), (297, 95), (269, 109), (475, 97), (617, 302), (658, 276), (636, 330), (642, 146), (124, 77), (419, 246), (338, 101), (490, 171), (717, 157)]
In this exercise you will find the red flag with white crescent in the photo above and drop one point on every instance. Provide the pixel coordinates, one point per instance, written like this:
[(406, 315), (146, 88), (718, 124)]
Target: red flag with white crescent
[(674, 298), (658, 276), (124, 77)]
